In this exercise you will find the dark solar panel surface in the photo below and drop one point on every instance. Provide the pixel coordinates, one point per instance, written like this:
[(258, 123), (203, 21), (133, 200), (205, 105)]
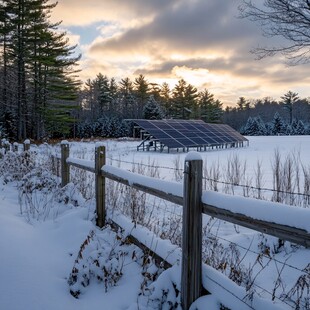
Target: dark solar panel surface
[(189, 133)]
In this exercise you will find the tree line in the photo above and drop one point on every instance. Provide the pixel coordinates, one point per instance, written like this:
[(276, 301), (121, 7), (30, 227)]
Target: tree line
[(38, 81), (290, 115), (42, 97), (105, 103)]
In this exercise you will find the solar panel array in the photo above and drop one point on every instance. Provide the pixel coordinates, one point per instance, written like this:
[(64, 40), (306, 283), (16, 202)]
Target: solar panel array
[(189, 133)]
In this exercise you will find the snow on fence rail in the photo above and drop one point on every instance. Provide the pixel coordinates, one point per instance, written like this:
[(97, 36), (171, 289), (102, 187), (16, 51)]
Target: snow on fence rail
[(282, 221)]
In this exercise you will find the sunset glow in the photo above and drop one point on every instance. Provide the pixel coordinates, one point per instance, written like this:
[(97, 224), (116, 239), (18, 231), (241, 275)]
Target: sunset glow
[(200, 41)]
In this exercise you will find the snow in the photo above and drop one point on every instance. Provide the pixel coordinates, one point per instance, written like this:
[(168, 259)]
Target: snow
[(167, 187), (36, 260), (193, 156), (261, 210), (36, 257), (164, 248), (81, 162), (99, 144)]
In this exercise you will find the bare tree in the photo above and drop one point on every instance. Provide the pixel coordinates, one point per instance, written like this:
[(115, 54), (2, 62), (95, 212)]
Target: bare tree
[(288, 19)]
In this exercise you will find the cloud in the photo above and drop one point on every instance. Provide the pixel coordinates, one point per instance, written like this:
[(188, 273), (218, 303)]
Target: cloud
[(207, 26), (81, 12), (201, 41)]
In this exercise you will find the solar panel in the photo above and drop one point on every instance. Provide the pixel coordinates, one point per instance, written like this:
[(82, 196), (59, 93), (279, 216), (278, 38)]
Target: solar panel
[(189, 133)]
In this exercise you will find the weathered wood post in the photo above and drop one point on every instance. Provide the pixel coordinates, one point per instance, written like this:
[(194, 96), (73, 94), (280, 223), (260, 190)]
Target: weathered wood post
[(191, 278), (65, 168), (15, 147), (100, 185), (7, 146), (26, 145)]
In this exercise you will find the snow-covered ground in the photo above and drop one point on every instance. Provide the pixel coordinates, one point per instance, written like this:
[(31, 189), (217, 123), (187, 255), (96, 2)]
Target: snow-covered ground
[(37, 257)]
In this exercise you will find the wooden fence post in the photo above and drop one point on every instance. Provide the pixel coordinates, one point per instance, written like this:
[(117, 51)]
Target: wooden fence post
[(65, 168), (7, 146), (15, 147), (100, 185), (191, 277), (26, 145)]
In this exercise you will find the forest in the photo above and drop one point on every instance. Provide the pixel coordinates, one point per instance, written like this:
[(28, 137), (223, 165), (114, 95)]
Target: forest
[(42, 97)]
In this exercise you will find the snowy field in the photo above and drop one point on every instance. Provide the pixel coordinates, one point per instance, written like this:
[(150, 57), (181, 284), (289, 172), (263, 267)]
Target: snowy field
[(40, 251)]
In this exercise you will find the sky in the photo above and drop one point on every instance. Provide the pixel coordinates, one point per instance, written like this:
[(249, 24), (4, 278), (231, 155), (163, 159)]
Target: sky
[(202, 42)]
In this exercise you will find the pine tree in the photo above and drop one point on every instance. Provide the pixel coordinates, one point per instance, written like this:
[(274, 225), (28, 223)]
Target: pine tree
[(254, 127), (43, 63), (5, 32), (113, 95), (288, 101), (152, 109), (101, 84), (190, 98), (184, 100), (128, 100), (179, 105), (300, 129), (141, 93), (165, 99), (210, 109), (278, 126), (242, 103)]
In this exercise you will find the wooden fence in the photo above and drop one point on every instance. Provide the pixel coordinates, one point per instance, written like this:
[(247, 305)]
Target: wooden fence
[(190, 196), (7, 146)]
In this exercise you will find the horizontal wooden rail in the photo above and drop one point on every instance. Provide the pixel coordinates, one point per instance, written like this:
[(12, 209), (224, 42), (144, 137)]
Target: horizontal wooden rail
[(284, 232), (152, 186), (82, 164)]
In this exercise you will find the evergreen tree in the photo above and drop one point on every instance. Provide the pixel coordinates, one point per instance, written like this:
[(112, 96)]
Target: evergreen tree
[(291, 129), (210, 109), (288, 101), (113, 95), (190, 98), (300, 129), (102, 90), (178, 96), (254, 127), (42, 62), (242, 103), (154, 90), (165, 99), (128, 100), (184, 98), (278, 126), (141, 93), (152, 109), (5, 32)]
